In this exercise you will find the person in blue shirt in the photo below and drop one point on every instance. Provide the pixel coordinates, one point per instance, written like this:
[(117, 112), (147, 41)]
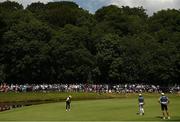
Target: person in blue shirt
[(164, 101), (141, 104)]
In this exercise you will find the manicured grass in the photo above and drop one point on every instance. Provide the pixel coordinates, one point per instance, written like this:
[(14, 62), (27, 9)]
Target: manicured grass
[(119, 109)]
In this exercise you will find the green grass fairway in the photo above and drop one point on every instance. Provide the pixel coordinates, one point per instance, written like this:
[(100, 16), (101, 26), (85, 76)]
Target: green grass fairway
[(120, 109)]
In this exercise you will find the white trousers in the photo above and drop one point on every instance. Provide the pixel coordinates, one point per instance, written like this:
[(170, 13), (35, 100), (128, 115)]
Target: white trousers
[(141, 109)]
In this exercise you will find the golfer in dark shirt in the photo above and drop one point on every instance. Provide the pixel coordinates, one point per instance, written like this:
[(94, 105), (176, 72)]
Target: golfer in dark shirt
[(68, 103), (164, 101), (141, 104)]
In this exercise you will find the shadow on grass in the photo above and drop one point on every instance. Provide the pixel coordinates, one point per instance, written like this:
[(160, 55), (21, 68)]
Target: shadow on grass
[(173, 119), (160, 117)]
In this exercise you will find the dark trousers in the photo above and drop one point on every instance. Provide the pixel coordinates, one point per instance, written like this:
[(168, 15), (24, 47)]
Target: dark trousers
[(164, 107), (68, 105)]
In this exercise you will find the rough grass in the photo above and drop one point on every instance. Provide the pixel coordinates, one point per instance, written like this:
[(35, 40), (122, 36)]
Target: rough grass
[(61, 96), (53, 96), (122, 108)]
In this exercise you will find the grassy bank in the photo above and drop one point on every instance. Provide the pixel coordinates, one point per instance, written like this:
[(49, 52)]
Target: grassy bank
[(59, 96), (52, 96)]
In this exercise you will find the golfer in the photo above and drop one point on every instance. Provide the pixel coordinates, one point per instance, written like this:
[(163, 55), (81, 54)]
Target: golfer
[(141, 104), (164, 101), (68, 103)]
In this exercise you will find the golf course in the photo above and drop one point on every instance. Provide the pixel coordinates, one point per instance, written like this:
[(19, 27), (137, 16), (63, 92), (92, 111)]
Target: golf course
[(94, 107)]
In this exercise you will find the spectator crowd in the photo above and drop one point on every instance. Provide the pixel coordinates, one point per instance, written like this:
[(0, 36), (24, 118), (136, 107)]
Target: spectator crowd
[(103, 88)]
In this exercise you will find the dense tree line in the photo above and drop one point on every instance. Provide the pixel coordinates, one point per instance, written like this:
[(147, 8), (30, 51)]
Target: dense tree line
[(59, 41)]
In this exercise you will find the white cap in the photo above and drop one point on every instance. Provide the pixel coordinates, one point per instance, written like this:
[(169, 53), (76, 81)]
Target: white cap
[(162, 93), (140, 94), (70, 96)]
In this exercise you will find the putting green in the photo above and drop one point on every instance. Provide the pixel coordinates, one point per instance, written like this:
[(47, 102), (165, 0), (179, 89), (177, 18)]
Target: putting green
[(94, 110)]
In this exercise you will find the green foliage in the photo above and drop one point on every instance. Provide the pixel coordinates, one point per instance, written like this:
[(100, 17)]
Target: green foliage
[(122, 21), (62, 13), (10, 6), (36, 7), (60, 41), (69, 53)]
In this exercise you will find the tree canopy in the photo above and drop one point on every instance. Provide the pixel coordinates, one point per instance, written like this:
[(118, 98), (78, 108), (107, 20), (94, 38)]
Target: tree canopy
[(59, 41)]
